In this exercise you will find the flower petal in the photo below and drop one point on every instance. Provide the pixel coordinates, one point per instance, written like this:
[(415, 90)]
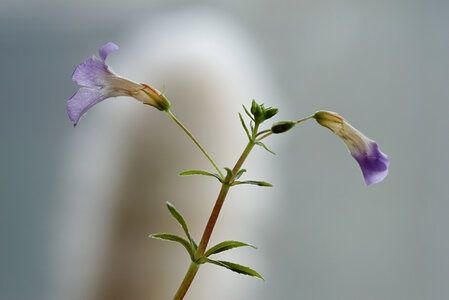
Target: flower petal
[(106, 49), (372, 161), (83, 99), (374, 164), (91, 73)]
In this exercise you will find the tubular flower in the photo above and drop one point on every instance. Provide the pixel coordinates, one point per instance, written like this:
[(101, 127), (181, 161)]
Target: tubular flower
[(99, 83), (372, 161)]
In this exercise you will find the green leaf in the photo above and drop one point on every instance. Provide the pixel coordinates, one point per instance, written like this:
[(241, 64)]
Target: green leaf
[(224, 246), (246, 111), (265, 147), (199, 172), (228, 175), (178, 217), (174, 238), (234, 267), (244, 126), (253, 182), (239, 173)]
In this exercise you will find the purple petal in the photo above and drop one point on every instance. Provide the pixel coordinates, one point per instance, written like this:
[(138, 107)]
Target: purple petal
[(91, 73), (106, 49), (83, 99), (374, 165)]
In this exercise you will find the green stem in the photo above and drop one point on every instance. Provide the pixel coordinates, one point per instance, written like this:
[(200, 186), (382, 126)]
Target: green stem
[(305, 119), (194, 140), (191, 272), (212, 220), (242, 158), (220, 200)]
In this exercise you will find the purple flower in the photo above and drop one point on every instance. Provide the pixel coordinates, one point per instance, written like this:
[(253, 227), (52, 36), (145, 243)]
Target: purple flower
[(99, 82), (372, 161)]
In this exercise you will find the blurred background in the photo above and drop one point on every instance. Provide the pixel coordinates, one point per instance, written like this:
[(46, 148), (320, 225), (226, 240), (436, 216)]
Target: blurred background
[(77, 204)]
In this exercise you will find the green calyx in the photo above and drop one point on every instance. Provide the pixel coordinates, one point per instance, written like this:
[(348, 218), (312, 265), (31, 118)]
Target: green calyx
[(282, 126), (270, 112), (163, 104)]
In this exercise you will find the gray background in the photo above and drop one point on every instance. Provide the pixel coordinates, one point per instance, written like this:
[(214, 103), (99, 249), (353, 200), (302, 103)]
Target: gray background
[(384, 65)]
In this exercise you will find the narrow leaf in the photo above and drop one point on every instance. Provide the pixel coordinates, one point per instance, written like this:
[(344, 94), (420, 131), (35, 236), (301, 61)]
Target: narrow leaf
[(253, 182), (228, 175), (199, 172), (178, 217), (244, 125), (239, 173), (235, 267), (246, 111), (224, 246), (174, 238), (265, 147)]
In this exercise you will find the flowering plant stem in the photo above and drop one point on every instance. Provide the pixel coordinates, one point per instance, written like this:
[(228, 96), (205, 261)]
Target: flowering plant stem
[(191, 272), (194, 140)]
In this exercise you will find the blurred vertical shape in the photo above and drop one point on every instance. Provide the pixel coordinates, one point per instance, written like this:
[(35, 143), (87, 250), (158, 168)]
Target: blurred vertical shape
[(122, 164)]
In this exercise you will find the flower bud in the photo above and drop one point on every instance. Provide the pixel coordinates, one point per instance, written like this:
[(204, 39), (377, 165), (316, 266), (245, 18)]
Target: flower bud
[(270, 112), (257, 112), (282, 126)]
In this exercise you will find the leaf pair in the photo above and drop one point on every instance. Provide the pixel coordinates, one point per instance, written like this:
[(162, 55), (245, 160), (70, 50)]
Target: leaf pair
[(190, 245), (228, 177), (224, 246)]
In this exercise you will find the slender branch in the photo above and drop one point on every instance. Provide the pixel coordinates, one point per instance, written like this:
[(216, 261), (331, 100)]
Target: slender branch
[(220, 200), (242, 158), (264, 136), (305, 119), (222, 195), (212, 219), (195, 141), (262, 132), (191, 272)]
